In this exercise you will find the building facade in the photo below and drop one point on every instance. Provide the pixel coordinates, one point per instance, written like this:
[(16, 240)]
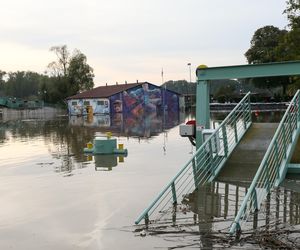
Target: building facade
[(135, 98)]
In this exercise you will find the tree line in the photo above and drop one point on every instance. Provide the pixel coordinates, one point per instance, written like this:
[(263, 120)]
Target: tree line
[(71, 73), (268, 44), (66, 76), (272, 44)]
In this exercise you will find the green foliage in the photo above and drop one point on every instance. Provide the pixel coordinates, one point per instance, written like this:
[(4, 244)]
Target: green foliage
[(71, 74), (293, 13), (80, 74), (22, 84), (265, 47), (270, 44), (264, 44), (181, 86), (66, 76)]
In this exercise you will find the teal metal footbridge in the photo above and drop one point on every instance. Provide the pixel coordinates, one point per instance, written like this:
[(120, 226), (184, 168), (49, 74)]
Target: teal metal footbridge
[(237, 143)]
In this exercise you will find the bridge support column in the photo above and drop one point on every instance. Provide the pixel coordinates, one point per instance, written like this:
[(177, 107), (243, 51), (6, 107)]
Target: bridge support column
[(202, 111)]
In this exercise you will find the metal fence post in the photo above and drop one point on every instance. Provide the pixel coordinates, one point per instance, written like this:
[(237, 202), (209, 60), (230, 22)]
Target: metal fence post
[(174, 193)]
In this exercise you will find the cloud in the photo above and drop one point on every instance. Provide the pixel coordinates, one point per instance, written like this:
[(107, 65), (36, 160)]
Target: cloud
[(134, 38)]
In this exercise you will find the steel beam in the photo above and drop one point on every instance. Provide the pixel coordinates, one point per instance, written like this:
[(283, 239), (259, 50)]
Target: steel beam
[(249, 71)]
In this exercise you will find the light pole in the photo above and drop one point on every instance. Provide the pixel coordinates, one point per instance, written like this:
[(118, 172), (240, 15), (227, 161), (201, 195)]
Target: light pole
[(189, 64)]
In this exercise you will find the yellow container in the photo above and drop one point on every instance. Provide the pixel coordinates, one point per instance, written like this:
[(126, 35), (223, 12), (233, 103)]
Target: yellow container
[(121, 146), (121, 158), (108, 134), (89, 145)]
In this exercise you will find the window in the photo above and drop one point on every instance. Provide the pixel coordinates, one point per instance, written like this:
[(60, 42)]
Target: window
[(101, 103), (86, 103), (74, 103)]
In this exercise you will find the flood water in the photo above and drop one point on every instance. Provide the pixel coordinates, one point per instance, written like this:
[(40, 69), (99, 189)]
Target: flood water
[(55, 197)]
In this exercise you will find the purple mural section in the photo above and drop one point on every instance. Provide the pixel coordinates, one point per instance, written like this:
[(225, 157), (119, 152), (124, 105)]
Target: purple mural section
[(144, 99)]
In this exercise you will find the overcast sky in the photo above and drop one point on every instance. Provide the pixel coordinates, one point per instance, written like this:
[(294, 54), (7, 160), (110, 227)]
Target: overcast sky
[(129, 40)]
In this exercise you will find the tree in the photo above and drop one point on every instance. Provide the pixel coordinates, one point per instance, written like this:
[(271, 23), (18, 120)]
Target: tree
[(71, 73), (22, 84), (293, 13), (59, 67), (80, 73), (264, 49), (290, 46), (264, 44)]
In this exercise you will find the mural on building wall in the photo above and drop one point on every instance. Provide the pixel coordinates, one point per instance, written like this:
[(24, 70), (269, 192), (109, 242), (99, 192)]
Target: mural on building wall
[(145, 99)]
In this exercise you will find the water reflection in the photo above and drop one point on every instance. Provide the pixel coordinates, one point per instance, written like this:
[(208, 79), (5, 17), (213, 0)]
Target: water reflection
[(65, 137), (209, 211), (130, 125)]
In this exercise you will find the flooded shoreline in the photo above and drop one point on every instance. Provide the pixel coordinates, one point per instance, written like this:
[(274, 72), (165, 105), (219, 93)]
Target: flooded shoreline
[(54, 196)]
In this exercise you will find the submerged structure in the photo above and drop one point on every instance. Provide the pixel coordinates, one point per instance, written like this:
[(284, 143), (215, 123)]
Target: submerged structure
[(17, 103), (236, 145), (105, 145)]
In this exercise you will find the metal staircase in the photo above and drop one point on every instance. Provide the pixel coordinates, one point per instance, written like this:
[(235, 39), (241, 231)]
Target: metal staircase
[(274, 165), (205, 164)]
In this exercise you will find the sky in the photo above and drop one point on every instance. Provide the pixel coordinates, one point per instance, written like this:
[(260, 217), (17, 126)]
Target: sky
[(133, 40)]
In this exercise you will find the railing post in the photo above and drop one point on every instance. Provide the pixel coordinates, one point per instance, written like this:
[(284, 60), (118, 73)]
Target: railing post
[(235, 133), (298, 107), (284, 140), (195, 172), (244, 114), (268, 176), (146, 217), (210, 158), (277, 159), (249, 104), (225, 142), (174, 193), (255, 199), (290, 127)]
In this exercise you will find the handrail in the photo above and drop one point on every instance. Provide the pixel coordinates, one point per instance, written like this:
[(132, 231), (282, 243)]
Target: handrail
[(208, 160), (270, 169)]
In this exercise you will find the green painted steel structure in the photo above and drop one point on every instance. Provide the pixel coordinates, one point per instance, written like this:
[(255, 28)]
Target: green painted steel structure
[(206, 163), (274, 165), (212, 153), (278, 155), (205, 74)]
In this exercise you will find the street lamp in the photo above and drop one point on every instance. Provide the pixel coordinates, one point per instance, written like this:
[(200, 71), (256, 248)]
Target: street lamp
[(189, 64)]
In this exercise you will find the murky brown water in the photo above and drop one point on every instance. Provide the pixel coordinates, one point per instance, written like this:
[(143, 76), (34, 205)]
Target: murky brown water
[(55, 197)]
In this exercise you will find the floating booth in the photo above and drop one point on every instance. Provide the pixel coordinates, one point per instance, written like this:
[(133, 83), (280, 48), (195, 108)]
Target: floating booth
[(105, 145)]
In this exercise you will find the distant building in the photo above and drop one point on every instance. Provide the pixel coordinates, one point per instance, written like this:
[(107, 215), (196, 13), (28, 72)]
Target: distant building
[(134, 98)]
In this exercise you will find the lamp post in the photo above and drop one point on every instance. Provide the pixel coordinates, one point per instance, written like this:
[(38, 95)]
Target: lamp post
[(189, 64)]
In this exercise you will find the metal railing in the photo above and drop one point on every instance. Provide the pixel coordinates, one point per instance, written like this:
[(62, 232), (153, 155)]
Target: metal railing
[(274, 165), (207, 161)]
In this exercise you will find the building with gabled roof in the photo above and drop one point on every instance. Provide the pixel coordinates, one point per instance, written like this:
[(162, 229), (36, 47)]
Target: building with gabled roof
[(136, 98)]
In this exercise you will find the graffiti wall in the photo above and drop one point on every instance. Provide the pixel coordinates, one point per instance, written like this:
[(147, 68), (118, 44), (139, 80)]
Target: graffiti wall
[(144, 99)]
